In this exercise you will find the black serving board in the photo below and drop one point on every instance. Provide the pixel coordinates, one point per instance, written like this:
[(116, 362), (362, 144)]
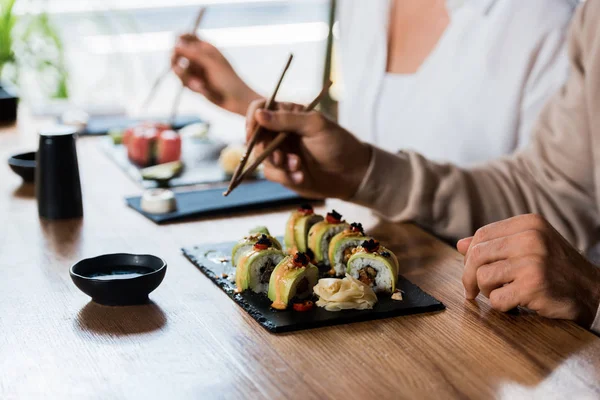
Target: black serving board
[(213, 260), (100, 125), (211, 202)]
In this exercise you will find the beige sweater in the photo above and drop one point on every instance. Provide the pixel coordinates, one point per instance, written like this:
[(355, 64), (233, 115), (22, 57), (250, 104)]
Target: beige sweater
[(554, 176), (557, 175)]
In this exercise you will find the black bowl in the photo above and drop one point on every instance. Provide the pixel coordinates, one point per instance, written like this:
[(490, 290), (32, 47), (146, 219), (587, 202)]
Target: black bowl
[(23, 165), (119, 279)]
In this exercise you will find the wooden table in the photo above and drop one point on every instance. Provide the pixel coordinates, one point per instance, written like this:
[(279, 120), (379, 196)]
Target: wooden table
[(193, 342)]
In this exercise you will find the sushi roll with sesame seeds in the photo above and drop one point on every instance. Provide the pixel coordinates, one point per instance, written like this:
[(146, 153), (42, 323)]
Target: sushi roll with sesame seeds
[(292, 280), (374, 265), (341, 247), (247, 243), (320, 235), (254, 268)]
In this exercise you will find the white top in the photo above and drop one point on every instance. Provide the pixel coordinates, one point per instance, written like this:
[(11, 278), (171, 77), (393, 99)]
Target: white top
[(394, 107), (478, 93)]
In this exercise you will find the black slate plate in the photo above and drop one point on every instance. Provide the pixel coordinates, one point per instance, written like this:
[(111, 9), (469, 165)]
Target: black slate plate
[(211, 202), (100, 125), (214, 260)]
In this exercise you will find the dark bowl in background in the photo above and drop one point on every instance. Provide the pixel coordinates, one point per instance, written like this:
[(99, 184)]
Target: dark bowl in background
[(24, 166), (118, 289)]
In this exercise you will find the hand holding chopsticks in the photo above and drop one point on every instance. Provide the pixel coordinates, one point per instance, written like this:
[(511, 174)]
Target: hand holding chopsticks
[(271, 147)]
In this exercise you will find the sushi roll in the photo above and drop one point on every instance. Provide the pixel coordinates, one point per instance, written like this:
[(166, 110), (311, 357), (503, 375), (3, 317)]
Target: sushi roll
[(293, 279), (297, 227), (374, 265), (341, 247), (247, 243), (255, 267), (321, 234)]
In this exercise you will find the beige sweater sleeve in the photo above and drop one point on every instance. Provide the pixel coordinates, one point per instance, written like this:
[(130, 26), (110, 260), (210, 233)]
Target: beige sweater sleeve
[(553, 176)]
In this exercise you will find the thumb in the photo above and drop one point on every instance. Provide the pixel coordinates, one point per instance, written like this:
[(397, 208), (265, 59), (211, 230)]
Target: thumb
[(463, 245), (302, 123)]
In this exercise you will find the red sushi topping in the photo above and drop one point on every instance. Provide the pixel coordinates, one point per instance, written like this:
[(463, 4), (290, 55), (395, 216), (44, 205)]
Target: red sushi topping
[(263, 243), (306, 209), (304, 306), (334, 217), (357, 227), (300, 260), (371, 245)]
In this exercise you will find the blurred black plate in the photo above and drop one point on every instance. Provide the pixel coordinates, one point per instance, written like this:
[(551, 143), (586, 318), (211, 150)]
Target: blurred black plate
[(211, 202), (100, 125), (214, 260)]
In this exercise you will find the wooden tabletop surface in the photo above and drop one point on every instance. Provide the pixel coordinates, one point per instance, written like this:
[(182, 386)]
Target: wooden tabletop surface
[(193, 342)]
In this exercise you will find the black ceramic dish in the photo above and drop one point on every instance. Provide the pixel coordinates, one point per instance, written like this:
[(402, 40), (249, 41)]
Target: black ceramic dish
[(119, 279), (24, 166)]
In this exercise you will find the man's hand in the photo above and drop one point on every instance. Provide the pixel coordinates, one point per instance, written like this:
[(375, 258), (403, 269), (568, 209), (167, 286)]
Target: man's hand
[(524, 261), (209, 73), (319, 160)]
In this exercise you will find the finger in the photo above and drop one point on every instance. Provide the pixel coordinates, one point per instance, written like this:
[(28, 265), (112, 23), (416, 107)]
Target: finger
[(197, 85), (187, 37), (277, 158), (505, 298), (463, 245), (250, 120), (181, 74), (290, 121), (509, 227), (497, 274), (190, 50), (293, 163), (192, 80), (290, 180), (297, 108), (528, 242), (287, 106)]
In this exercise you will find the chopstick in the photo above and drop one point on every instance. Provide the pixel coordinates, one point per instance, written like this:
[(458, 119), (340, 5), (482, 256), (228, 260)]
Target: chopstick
[(279, 139), (157, 82), (165, 73), (269, 106), (177, 99)]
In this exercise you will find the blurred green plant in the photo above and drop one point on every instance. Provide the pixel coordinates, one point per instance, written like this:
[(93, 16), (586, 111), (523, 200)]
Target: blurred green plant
[(31, 43)]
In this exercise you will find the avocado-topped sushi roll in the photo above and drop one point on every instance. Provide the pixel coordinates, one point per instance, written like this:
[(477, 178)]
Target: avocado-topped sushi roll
[(302, 227), (321, 234), (254, 268), (247, 243), (293, 279), (297, 227), (374, 265), (342, 245)]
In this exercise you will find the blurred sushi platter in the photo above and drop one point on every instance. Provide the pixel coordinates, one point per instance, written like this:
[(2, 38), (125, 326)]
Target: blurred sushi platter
[(154, 154)]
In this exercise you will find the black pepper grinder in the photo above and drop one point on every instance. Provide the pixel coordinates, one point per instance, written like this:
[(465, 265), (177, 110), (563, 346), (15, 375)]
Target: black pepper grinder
[(57, 185)]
